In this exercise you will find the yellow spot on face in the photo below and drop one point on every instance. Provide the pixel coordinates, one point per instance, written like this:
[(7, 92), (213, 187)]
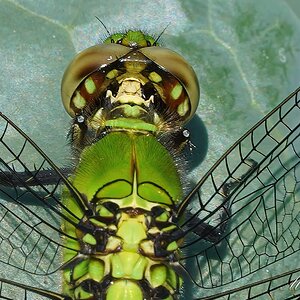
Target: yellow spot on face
[(176, 91), (154, 77), (90, 85), (78, 101), (183, 108), (112, 74), (132, 111)]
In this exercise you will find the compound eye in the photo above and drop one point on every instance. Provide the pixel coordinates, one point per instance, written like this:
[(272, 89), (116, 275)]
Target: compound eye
[(184, 91), (85, 69)]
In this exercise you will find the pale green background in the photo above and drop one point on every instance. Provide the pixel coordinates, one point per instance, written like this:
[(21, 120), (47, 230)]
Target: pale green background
[(246, 54)]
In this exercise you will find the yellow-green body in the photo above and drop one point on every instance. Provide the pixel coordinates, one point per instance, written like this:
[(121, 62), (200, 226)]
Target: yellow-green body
[(135, 172), (129, 100)]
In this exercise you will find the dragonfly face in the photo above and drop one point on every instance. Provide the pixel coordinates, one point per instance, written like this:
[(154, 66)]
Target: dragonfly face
[(125, 230), (131, 68)]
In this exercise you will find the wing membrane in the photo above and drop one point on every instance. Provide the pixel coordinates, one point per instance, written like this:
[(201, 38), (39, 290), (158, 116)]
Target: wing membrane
[(258, 204), (268, 286), (31, 216), (11, 290)]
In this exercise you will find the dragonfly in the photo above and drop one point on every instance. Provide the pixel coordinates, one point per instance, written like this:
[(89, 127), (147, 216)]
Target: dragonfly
[(117, 223)]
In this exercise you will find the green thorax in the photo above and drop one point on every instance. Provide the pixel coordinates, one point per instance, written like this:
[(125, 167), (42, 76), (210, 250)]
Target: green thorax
[(130, 169)]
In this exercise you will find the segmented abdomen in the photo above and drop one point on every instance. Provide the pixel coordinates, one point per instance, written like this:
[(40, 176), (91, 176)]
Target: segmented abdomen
[(131, 185)]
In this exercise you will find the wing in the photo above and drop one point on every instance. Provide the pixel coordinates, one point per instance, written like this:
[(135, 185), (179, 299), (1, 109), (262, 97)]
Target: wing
[(234, 195), (241, 221), (11, 290), (31, 239), (264, 289)]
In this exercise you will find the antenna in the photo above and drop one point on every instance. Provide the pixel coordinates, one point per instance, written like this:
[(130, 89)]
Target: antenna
[(103, 25), (162, 32)]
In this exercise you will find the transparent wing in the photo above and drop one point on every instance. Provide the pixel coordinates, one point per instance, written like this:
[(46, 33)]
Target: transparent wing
[(31, 238), (10, 290), (281, 285), (242, 220), (258, 202)]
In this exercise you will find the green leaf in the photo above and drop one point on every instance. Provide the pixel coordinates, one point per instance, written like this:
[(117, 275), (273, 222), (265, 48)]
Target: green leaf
[(246, 54)]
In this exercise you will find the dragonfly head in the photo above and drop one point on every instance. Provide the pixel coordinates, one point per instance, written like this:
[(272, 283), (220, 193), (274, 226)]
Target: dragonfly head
[(97, 75)]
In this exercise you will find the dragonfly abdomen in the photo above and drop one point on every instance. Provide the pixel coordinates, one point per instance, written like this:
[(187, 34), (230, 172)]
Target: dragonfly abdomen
[(121, 253)]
